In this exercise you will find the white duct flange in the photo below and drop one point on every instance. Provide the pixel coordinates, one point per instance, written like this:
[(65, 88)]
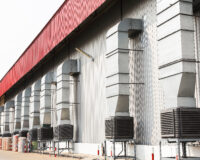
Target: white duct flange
[(117, 65)]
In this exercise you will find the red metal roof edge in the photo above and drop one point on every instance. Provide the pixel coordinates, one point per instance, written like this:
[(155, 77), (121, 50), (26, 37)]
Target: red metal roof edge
[(80, 11), (36, 37)]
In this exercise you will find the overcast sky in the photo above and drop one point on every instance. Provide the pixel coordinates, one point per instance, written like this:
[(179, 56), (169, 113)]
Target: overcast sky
[(20, 22)]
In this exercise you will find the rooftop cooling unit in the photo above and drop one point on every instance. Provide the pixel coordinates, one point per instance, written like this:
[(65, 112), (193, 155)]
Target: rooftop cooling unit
[(180, 123), (45, 133), (63, 132), (119, 128), (33, 134), (23, 134)]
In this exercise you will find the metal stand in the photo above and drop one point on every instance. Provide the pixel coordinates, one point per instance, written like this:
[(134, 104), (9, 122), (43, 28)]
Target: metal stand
[(179, 143), (124, 148), (60, 150), (41, 146)]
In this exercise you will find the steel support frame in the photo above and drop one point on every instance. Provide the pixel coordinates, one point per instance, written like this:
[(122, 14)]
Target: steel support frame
[(62, 149), (124, 143), (41, 149), (178, 142)]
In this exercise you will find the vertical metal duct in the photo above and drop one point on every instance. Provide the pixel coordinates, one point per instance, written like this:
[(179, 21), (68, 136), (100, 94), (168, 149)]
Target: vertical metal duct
[(1, 119), (11, 119), (45, 99), (6, 131), (34, 112), (177, 66), (17, 116), (117, 78), (63, 104), (25, 110)]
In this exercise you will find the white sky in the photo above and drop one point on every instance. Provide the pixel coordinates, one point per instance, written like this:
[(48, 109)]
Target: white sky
[(20, 22)]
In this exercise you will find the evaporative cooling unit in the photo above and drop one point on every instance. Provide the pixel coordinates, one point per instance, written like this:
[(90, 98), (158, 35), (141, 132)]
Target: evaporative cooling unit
[(119, 127), (45, 133), (33, 134), (180, 123), (63, 132)]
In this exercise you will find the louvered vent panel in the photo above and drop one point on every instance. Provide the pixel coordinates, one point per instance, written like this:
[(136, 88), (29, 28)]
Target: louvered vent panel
[(182, 123), (45, 133), (33, 134), (119, 128), (63, 132)]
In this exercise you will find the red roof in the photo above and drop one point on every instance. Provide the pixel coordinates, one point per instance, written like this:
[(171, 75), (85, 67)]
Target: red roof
[(69, 16)]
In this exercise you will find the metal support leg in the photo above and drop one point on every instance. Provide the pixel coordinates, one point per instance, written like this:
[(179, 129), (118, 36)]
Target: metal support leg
[(179, 152), (114, 150), (124, 149), (135, 150), (53, 148), (105, 150), (184, 149), (58, 148), (160, 144)]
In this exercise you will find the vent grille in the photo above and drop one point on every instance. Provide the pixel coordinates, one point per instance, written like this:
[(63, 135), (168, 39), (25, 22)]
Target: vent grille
[(33, 134), (23, 134), (6, 135), (45, 133), (180, 123), (63, 132), (119, 128)]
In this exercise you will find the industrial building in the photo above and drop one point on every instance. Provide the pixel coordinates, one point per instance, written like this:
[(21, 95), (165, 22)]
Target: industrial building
[(102, 72)]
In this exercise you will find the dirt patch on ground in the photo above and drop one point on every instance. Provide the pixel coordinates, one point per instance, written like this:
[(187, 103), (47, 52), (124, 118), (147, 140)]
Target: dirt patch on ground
[(9, 155)]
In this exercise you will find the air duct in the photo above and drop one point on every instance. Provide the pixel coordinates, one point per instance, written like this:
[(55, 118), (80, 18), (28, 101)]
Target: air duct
[(11, 119), (34, 112), (25, 111), (45, 107), (65, 71), (117, 77), (1, 119), (6, 130), (177, 63), (17, 116)]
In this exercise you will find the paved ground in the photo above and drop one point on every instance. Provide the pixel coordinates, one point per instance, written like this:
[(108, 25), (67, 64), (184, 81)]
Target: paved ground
[(8, 155)]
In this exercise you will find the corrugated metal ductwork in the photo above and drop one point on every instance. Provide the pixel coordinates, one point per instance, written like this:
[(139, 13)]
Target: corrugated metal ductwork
[(6, 130), (17, 117), (117, 77), (63, 101), (26, 94)]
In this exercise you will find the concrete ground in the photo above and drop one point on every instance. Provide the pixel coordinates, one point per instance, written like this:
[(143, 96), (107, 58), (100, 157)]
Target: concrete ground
[(9, 155)]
